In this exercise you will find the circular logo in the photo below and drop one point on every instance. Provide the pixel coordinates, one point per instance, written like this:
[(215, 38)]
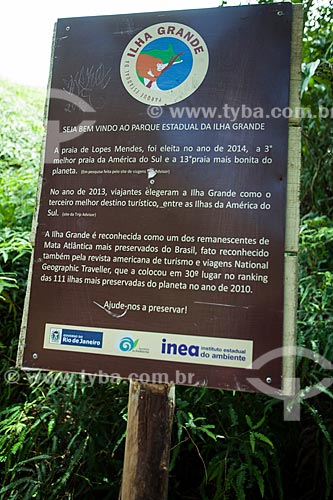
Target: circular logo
[(127, 344), (164, 64)]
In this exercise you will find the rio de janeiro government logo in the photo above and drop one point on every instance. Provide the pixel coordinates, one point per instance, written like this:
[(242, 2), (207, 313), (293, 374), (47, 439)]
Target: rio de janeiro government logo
[(164, 64)]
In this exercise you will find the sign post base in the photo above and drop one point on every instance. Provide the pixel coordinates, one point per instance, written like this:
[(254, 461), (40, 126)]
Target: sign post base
[(147, 449)]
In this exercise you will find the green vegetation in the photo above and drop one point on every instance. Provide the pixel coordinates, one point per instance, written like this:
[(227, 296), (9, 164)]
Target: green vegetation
[(317, 94), (63, 438)]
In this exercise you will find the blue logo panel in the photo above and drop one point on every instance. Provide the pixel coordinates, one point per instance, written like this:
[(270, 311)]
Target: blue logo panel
[(82, 338)]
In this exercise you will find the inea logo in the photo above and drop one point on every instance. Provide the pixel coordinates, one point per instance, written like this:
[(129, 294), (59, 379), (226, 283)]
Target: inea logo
[(181, 349)]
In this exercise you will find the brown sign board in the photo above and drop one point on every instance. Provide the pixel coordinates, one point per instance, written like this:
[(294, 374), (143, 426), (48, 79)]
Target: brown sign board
[(160, 235)]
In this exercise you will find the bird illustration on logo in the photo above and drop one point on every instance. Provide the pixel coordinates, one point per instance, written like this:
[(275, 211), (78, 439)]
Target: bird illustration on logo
[(155, 65)]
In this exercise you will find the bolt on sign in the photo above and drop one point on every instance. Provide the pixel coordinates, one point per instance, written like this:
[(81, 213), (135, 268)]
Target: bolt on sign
[(160, 231)]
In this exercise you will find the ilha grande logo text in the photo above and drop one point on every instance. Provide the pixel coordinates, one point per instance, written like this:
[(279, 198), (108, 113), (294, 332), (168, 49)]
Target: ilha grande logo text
[(164, 64)]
